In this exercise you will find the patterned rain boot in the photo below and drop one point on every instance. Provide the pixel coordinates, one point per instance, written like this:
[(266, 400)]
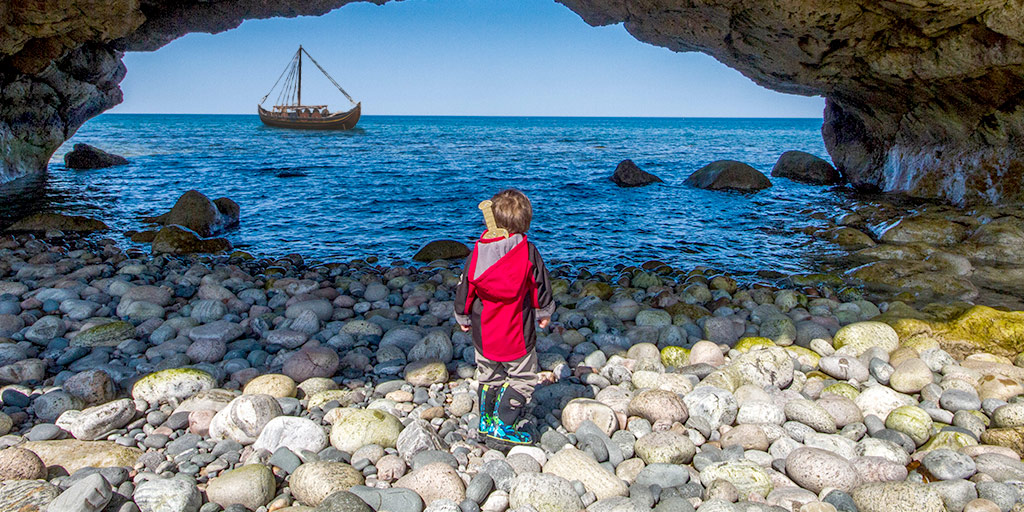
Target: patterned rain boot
[(488, 399), (505, 416)]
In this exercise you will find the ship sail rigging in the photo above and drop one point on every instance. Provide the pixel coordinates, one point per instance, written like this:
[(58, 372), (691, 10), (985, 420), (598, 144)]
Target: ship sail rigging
[(289, 112)]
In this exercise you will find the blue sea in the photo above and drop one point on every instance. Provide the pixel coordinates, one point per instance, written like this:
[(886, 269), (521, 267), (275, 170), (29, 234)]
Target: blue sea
[(398, 182)]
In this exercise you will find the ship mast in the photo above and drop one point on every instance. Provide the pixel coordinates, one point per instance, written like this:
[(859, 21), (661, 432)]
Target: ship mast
[(300, 75)]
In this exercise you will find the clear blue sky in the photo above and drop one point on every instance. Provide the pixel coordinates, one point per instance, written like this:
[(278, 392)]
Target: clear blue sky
[(450, 57)]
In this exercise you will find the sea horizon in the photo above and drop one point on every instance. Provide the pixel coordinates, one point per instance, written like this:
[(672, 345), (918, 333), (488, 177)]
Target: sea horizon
[(480, 116)]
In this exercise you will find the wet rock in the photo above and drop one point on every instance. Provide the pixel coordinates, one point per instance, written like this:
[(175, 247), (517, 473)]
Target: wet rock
[(57, 221), (195, 211), (441, 250), (805, 168), (84, 156), (627, 174), (177, 240), (728, 175)]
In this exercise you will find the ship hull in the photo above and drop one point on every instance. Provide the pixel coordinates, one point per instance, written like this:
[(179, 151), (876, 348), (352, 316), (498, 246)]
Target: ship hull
[(339, 121)]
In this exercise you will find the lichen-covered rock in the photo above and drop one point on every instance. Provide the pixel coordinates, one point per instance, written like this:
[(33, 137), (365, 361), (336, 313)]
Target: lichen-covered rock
[(57, 221), (110, 334), (175, 383), (977, 329), (72, 454), (728, 175), (355, 428), (747, 477), (897, 497)]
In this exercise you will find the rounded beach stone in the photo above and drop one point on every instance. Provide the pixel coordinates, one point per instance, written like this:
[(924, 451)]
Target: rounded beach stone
[(658, 405), (274, 384), (814, 469), (897, 497), (355, 428), (251, 485), (296, 434), (243, 419), (206, 351), (436, 481), (426, 372), (92, 386), (843, 410), (579, 410), (546, 492), (857, 337), (714, 405), (748, 437), (760, 412), (910, 376), (810, 414), (167, 494), (665, 447), (311, 362), (577, 465), (1009, 416), (21, 464), (880, 401), (912, 421), (946, 464), (706, 352), (175, 383), (311, 482), (747, 477), (95, 422), (843, 368)]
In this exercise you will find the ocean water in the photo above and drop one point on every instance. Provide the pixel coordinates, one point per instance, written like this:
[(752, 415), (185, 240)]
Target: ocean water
[(398, 182)]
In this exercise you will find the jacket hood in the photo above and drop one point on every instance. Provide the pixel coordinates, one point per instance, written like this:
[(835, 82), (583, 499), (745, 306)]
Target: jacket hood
[(501, 268)]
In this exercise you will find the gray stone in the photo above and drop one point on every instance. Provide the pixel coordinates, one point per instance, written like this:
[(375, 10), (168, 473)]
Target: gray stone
[(167, 495), (89, 494), (27, 495), (296, 434), (946, 464), (545, 492), (244, 418), (95, 422)]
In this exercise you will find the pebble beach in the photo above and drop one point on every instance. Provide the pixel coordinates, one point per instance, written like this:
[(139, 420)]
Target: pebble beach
[(168, 383)]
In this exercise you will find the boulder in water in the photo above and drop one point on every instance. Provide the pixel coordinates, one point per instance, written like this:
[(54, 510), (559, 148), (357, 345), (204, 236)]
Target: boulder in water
[(806, 168), (197, 212), (57, 221), (442, 250), (627, 174), (728, 175), (84, 156), (179, 240)]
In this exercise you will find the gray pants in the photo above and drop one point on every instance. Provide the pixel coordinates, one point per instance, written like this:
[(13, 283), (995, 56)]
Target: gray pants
[(521, 374)]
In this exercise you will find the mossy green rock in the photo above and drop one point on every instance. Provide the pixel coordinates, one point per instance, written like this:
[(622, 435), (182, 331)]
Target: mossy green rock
[(343, 396), (48, 221), (426, 372), (597, 289), (977, 329), (355, 428), (175, 383), (105, 335), (842, 389), (442, 250), (747, 477), (675, 356), (858, 337), (751, 342), (665, 447), (949, 440), (653, 317), (251, 485), (912, 421)]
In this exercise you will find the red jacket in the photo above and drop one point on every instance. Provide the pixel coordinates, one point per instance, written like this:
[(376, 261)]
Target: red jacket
[(503, 286)]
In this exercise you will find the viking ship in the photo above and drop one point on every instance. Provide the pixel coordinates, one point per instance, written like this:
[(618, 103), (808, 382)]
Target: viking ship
[(289, 112)]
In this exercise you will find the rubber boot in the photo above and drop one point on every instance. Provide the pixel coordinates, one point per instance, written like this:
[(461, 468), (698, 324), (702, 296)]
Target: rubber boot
[(488, 399), (506, 414)]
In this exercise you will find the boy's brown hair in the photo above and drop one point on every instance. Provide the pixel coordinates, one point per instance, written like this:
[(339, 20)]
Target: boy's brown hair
[(512, 210)]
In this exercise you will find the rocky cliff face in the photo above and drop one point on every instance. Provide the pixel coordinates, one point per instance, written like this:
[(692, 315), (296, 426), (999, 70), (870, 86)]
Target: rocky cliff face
[(924, 97)]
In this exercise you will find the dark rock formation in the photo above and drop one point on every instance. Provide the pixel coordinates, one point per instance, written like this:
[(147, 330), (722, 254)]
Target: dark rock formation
[(627, 174), (442, 250), (85, 156), (178, 240), (196, 212), (805, 168), (923, 98), (728, 175), (48, 221)]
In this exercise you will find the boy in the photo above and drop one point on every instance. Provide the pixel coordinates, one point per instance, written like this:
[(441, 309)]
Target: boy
[(504, 288)]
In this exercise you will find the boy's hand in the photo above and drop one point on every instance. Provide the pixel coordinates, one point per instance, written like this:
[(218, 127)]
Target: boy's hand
[(465, 328), (543, 322)]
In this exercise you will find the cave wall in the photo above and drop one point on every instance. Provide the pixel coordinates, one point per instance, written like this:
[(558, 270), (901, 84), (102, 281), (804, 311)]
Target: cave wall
[(923, 97)]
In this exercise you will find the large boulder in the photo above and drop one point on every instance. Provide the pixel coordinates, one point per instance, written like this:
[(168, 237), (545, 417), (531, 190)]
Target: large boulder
[(178, 240), (195, 211), (728, 175), (84, 156), (627, 174), (48, 221), (442, 250), (805, 168)]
